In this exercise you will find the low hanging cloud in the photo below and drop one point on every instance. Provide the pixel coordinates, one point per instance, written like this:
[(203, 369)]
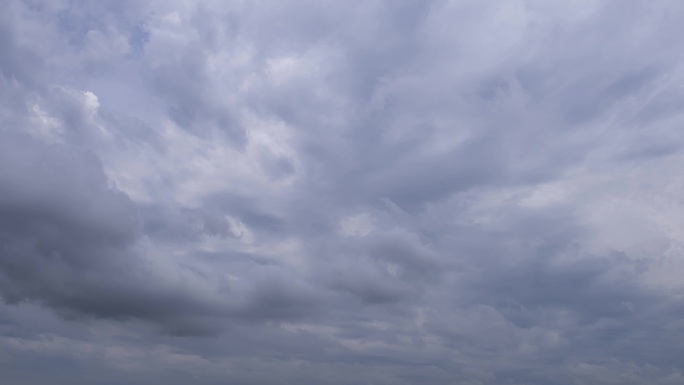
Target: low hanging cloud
[(316, 192)]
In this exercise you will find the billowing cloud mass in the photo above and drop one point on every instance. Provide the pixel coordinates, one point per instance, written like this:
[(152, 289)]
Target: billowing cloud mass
[(341, 192)]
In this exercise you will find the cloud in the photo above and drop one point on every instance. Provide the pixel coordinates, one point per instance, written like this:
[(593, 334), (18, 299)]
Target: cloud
[(362, 192)]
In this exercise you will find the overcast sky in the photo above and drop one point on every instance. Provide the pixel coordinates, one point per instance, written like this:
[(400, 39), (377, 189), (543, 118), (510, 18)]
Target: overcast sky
[(312, 192)]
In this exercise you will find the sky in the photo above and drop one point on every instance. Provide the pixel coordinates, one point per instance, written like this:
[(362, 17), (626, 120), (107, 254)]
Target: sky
[(362, 192)]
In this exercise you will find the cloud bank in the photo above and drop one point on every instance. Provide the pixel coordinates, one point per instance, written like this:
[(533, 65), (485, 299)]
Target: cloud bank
[(361, 192)]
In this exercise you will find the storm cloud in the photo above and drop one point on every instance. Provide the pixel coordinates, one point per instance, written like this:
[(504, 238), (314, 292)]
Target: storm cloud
[(359, 192)]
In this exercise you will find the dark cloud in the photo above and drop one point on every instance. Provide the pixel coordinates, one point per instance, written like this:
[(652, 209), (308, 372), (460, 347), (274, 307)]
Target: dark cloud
[(70, 241)]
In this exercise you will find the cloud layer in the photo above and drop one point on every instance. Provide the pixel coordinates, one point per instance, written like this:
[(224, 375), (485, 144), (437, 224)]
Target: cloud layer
[(361, 192)]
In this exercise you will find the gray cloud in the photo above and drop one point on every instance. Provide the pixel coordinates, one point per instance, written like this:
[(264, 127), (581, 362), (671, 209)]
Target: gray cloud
[(341, 193)]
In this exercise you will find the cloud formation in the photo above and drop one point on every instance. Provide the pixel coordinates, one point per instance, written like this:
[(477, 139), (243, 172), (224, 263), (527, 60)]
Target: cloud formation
[(319, 192)]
